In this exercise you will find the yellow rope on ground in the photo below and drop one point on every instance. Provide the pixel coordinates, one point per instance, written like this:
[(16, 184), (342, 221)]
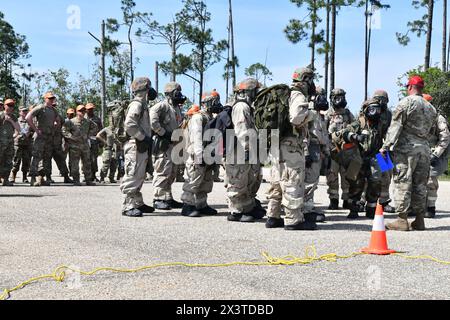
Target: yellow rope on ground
[(311, 256)]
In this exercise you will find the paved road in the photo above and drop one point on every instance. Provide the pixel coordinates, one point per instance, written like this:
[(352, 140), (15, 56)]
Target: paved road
[(41, 228)]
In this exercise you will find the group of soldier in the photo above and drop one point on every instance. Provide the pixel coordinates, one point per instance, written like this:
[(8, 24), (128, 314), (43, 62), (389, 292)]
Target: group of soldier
[(40, 134), (316, 136)]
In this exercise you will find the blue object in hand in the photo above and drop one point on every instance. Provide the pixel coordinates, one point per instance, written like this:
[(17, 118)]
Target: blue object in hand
[(385, 163)]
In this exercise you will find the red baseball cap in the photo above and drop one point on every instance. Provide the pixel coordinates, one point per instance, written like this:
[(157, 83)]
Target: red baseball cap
[(416, 81)]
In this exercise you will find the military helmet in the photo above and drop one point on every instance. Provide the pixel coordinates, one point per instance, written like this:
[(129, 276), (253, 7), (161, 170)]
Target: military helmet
[(338, 92), (249, 84), (141, 84), (302, 74), (171, 87)]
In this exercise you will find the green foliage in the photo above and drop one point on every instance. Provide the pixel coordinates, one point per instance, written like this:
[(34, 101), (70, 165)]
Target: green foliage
[(417, 27), (258, 70), (437, 84), (13, 49)]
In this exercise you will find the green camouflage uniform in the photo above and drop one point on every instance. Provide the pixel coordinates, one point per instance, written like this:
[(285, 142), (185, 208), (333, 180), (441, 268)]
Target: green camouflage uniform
[(77, 133), (110, 154), (58, 153), (439, 142), (337, 120), (45, 118), (95, 147), (6, 145), (23, 148), (407, 138), (288, 172)]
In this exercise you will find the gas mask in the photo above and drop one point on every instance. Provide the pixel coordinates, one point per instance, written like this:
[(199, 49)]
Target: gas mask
[(339, 102), (383, 102), (214, 106), (178, 98), (373, 112), (152, 94), (321, 103)]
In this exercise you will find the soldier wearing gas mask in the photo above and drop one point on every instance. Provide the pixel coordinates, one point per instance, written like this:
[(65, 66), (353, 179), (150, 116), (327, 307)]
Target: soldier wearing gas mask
[(318, 149), (165, 117), (360, 143), (338, 118)]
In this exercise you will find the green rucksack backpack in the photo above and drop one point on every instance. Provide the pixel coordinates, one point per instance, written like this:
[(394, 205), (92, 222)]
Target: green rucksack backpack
[(272, 110), (117, 113)]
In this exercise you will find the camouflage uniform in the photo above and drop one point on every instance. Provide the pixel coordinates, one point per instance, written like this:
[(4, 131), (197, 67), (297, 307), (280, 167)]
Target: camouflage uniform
[(95, 148), (164, 119), (439, 142), (23, 149), (77, 133), (362, 152), (110, 154), (6, 145), (199, 180), (288, 172), (318, 147), (137, 126), (408, 137), (43, 144), (337, 120), (58, 153)]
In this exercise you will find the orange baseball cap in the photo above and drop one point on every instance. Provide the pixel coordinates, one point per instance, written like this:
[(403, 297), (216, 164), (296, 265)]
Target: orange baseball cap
[(90, 106), (193, 110), (10, 102), (70, 111), (81, 107)]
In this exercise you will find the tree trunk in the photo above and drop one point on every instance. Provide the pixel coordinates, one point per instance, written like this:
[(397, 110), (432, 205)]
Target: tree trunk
[(367, 51), (233, 56), (429, 34), (103, 66), (313, 35), (444, 38), (202, 72), (173, 77), (333, 44), (327, 51), (130, 41)]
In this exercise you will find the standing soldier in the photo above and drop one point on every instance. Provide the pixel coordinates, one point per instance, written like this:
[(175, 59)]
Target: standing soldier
[(22, 146), (360, 143), (77, 132), (199, 180), (386, 177), (338, 117), (8, 126), (439, 143), (243, 179), (288, 171), (407, 138), (46, 117), (94, 145), (318, 148), (111, 145), (136, 149), (58, 153), (164, 119)]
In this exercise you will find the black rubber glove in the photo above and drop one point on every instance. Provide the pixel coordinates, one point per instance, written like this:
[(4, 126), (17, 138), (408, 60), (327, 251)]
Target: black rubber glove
[(308, 161), (148, 140), (434, 160)]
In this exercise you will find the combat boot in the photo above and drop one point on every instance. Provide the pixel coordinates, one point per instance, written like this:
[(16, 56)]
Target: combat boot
[(370, 212), (431, 213), (161, 205), (334, 204), (398, 225), (306, 225), (49, 179), (190, 211), (418, 224), (33, 181), (24, 177), (7, 183), (234, 217), (46, 183), (273, 223), (112, 180), (146, 209), (76, 182), (175, 204), (388, 208), (67, 179), (90, 183), (133, 213), (315, 217), (208, 211)]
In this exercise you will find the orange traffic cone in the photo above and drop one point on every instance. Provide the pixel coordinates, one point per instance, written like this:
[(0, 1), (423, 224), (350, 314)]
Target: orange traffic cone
[(378, 242)]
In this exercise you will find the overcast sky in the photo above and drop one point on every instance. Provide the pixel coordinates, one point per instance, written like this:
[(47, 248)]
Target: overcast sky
[(259, 28)]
